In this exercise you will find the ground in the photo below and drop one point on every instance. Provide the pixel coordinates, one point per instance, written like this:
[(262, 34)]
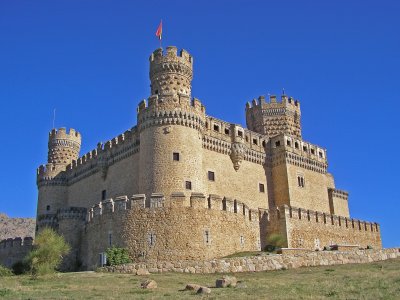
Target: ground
[(379, 280)]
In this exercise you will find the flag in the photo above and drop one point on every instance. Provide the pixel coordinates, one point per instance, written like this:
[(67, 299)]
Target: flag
[(159, 31)]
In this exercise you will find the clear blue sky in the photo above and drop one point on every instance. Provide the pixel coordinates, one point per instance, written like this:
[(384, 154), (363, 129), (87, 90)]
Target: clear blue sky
[(89, 60)]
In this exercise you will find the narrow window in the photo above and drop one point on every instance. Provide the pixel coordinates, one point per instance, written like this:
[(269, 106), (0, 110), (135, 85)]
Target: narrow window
[(175, 156), (320, 154), (226, 131), (207, 237), (216, 128), (48, 207), (305, 148), (110, 239), (188, 185), (103, 195), (151, 238), (261, 188), (277, 143), (263, 143), (156, 91), (255, 142), (240, 133), (312, 151), (296, 145), (211, 176)]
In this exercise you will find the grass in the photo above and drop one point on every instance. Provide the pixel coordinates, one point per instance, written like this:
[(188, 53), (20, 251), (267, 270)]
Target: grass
[(379, 280)]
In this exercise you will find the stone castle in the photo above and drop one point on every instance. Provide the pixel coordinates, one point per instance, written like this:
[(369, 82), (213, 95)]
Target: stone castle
[(183, 185)]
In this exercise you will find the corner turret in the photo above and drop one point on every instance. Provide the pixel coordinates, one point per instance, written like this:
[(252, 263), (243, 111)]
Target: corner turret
[(273, 118)]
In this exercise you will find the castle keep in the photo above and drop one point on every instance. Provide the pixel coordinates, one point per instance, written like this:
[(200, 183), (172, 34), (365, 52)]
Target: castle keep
[(183, 185)]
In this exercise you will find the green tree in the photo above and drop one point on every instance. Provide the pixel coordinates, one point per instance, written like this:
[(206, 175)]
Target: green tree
[(117, 256), (48, 251)]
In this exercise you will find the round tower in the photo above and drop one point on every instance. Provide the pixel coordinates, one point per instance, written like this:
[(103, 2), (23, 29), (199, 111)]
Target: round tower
[(171, 73), (171, 126), (63, 148)]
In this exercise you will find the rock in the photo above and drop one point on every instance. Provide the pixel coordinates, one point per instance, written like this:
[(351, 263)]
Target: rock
[(226, 281), (149, 284), (241, 285), (204, 290), (142, 272), (192, 287)]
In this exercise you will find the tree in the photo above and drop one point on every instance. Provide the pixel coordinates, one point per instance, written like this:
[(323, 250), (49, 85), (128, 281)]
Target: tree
[(47, 254)]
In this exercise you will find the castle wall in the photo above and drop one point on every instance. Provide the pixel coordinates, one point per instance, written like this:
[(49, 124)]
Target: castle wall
[(314, 230), (14, 250), (122, 177), (338, 202), (202, 230), (242, 185), (314, 194)]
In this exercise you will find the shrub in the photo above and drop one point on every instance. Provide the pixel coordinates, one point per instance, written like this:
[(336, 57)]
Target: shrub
[(48, 252), (275, 241), (117, 256), (5, 271), (20, 267)]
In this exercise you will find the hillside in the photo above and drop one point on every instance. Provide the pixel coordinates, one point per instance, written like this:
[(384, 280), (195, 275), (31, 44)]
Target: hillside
[(16, 227)]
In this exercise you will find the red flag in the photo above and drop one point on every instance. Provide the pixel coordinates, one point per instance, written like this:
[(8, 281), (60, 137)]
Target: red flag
[(159, 31)]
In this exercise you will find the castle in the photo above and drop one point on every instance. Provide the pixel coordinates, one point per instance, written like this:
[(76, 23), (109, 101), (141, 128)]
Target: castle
[(185, 185)]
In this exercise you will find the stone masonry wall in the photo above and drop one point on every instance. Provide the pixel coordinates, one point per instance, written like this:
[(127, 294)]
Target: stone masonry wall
[(314, 230), (260, 263), (168, 230), (14, 250)]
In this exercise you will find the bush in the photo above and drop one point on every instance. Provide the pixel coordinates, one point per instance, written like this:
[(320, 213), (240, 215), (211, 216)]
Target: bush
[(5, 271), (275, 241), (117, 256), (48, 252), (20, 267)]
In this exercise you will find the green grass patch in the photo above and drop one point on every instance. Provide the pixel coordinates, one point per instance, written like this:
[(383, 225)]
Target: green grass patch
[(357, 281)]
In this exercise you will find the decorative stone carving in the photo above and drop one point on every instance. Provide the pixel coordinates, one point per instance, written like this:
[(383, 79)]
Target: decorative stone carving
[(238, 151)]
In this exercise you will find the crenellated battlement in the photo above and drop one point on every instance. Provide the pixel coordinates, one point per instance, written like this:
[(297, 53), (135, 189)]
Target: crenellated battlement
[(273, 117), (171, 53), (16, 242), (97, 159), (324, 218), (271, 103), (63, 134), (175, 200)]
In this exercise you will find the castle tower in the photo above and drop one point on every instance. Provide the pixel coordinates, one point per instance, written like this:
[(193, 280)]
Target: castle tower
[(169, 117), (63, 149), (273, 117), (171, 74)]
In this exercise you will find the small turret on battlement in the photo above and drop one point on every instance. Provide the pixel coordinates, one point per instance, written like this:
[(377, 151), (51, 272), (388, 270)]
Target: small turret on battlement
[(273, 117), (171, 73), (63, 146)]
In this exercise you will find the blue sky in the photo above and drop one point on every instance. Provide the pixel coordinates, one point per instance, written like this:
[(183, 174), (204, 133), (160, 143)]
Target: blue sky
[(89, 60)]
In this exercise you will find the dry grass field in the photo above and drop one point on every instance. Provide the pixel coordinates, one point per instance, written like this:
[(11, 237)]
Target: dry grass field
[(380, 280)]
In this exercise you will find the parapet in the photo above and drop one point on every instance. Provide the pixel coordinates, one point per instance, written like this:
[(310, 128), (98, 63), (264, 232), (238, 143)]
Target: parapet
[(273, 103), (295, 213), (174, 201), (62, 134), (17, 242), (171, 53)]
